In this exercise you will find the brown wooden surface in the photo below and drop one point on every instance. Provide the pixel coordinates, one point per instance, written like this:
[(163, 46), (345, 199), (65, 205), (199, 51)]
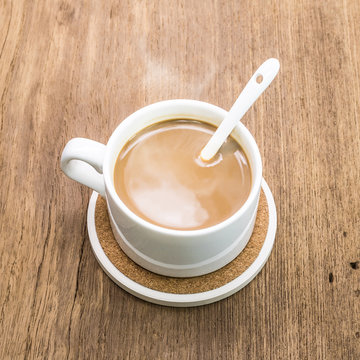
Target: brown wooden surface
[(77, 68)]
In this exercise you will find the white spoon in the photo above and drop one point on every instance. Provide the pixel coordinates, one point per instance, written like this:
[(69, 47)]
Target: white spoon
[(261, 79)]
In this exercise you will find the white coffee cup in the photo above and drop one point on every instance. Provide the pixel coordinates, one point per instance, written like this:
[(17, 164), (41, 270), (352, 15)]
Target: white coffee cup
[(180, 253)]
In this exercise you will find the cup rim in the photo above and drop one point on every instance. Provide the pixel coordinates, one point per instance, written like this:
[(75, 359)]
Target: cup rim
[(111, 192)]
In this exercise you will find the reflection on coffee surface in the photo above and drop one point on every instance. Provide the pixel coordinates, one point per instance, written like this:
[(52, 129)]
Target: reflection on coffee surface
[(160, 177)]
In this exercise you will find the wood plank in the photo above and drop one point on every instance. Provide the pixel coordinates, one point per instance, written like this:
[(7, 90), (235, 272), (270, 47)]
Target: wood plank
[(77, 69)]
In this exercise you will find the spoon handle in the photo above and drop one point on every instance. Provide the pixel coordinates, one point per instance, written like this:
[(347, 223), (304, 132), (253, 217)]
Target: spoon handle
[(261, 79)]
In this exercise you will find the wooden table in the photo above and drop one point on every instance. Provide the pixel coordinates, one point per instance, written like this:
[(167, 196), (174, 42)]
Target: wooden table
[(77, 68)]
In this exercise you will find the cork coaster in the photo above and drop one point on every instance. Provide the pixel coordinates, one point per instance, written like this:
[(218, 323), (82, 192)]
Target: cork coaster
[(182, 292), (181, 285)]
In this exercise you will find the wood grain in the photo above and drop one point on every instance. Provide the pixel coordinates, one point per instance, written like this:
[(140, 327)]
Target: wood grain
[(77, 68)]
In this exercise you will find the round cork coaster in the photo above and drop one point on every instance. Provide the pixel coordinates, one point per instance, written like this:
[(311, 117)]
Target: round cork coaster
[(182, 292)]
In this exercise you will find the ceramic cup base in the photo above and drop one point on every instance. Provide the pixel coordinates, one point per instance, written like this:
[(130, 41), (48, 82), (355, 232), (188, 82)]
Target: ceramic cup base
[(196, 297)]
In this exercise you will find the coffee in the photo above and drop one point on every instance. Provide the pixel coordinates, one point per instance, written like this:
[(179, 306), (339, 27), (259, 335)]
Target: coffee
[(159, 176)]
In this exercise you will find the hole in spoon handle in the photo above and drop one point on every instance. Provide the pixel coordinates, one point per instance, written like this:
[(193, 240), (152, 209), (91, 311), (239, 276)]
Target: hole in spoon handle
[(259, 78)]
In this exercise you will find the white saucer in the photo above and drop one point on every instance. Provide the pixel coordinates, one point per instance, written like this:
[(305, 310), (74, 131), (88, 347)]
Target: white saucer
[(183, 300)]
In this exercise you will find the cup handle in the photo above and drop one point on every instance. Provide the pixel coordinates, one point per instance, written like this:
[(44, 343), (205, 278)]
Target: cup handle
[(82, 160)]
